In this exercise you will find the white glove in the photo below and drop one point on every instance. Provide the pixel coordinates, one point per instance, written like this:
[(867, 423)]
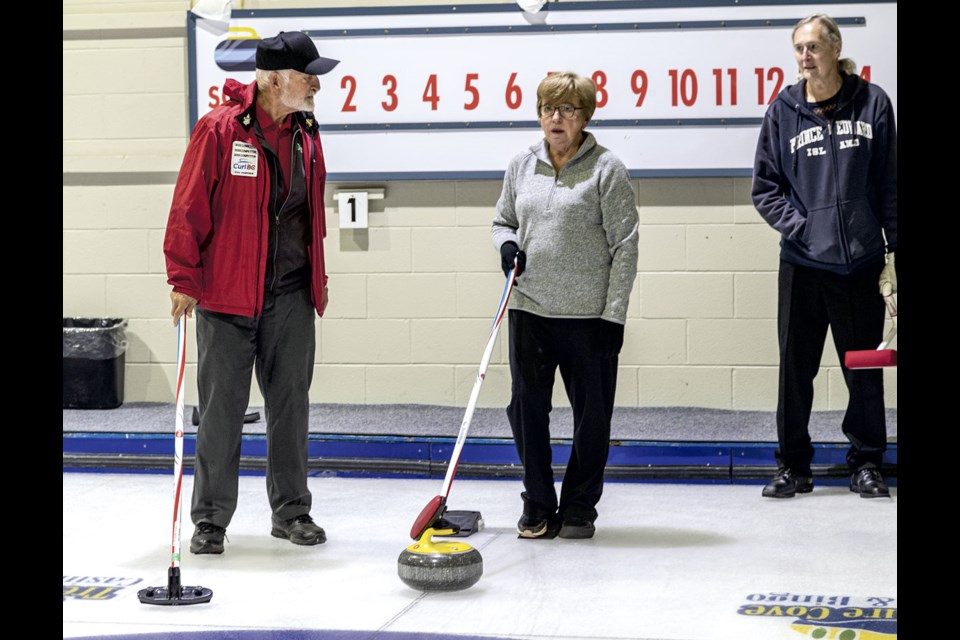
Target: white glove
[(888, 277)]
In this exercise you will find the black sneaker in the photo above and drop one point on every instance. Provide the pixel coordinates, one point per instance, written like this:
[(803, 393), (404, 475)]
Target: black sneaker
[(869, 484), (299, 530), (207, 538), (536, 527), (576, 528), (787, 484)]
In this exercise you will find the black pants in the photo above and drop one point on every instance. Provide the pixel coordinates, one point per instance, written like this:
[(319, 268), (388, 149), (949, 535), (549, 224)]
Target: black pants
[(280, 345), (810, 300), (586, 352)]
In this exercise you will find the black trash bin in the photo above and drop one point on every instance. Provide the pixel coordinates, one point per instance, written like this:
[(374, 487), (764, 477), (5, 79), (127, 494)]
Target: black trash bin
[(94, 354)]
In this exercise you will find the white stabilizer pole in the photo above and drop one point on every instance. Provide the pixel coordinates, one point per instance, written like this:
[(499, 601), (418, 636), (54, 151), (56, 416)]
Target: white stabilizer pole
[(892, 333)]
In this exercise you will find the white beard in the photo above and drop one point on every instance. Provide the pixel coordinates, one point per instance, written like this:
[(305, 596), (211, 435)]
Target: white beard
[(304, 105), (287, 99)]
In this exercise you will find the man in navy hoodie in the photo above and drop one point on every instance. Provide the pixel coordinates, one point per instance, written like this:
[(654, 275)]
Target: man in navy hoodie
[(825, 177)]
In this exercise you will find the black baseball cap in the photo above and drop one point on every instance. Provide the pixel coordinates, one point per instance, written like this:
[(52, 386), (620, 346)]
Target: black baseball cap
[(292, 50)]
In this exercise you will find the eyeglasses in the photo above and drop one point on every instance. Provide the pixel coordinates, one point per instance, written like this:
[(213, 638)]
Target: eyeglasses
[(566, 110), (813, 47)]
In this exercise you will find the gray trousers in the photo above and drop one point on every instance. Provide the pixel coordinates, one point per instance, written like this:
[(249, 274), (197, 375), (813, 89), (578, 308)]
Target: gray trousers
[(279, 345)]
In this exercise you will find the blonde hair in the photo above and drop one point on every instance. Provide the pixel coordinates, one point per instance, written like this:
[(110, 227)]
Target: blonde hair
[(563, 87), (832, 32)]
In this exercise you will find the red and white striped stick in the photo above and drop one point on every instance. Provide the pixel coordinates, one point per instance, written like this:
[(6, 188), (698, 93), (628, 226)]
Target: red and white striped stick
[(434, 509), (178, 441)]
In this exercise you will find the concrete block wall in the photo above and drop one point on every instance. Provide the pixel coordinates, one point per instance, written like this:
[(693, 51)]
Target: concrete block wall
[(412, 297)]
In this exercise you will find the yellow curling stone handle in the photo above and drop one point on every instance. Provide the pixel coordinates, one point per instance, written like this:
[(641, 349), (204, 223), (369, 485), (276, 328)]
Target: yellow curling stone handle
[(427, 545)]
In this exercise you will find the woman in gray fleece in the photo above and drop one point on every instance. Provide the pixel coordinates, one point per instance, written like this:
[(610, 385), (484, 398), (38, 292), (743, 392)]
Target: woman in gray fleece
[(567, 219)]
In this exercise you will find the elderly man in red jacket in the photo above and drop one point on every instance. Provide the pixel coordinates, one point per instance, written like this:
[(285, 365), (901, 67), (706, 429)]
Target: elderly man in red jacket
[(244, 247)]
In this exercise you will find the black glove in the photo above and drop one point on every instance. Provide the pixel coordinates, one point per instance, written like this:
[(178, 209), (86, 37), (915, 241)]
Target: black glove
[(614, 331), (510, 253)]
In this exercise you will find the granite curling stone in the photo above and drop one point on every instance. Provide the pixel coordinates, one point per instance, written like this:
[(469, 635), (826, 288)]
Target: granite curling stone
[(430, 565)]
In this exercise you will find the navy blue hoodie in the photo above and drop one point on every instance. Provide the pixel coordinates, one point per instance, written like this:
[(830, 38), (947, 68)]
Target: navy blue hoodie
[(829, 186)]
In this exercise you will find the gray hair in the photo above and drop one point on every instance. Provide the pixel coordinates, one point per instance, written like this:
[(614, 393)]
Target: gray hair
[(832, 32), (263, 77)]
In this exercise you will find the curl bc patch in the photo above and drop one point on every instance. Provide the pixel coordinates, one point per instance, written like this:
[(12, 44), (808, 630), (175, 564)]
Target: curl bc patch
[(243, 159)]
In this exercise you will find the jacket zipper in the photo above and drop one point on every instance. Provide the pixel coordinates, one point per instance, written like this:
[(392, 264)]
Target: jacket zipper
[(279, 176), (274, 187), (553, 189), (835, 160), (556, 181), (259, 292), (308, 168)]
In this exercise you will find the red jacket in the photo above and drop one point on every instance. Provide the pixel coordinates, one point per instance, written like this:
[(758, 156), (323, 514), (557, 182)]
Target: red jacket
[(216, 239)]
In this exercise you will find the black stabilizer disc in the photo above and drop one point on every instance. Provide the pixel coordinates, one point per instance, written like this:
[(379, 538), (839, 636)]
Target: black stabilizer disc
[(174, 593), (463, 523)]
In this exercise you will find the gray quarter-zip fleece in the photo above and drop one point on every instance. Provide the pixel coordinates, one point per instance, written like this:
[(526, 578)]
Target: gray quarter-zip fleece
[(578, 229)]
